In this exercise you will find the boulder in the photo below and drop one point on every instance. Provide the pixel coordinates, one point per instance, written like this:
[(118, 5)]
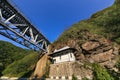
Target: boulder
[(100, 49), (109, 64), (90, 45), (102, 57)]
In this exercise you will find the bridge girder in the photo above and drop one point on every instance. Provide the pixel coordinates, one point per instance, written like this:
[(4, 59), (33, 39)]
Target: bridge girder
[(16, 27)]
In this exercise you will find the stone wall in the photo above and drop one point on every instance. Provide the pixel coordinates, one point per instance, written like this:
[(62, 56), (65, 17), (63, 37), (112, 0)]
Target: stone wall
[(61, 69), (67, 69)]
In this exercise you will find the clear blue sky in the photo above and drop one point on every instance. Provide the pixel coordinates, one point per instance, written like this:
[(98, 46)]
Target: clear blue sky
[(52, 17)]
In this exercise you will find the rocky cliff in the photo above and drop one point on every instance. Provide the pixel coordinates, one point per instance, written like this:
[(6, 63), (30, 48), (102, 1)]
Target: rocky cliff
[(93, 48), (41, 67), (97, 39)]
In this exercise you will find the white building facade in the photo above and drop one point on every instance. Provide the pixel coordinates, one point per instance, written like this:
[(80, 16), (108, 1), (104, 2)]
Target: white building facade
[(62, 59), (65, 54)]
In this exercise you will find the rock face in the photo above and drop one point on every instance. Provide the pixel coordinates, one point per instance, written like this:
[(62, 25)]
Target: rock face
[(95, 49), (90, 45), (100, 51), (102, 57), (97, 39), (40, 67), (92, 48)]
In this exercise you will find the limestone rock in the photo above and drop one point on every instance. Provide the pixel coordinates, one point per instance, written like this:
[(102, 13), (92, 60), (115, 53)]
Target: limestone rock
[(109, 64), (92, 48), (90, 45), (116, 51), (102, 57), (40, 67)]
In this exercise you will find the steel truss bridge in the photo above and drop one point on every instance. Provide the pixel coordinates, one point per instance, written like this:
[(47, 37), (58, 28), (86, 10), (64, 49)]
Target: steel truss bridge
[(16, 27)]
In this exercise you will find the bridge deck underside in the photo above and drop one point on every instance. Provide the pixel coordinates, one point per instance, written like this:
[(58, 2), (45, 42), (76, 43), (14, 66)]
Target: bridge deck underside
[(15, 26)]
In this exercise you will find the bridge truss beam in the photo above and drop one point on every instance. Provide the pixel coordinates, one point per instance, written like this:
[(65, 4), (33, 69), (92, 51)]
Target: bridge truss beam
[(16, 27)]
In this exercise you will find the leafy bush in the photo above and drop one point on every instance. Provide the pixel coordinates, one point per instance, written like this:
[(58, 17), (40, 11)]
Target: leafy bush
[(115, 73), (74, 77), (85, 78), (100, 73), (118, 40)]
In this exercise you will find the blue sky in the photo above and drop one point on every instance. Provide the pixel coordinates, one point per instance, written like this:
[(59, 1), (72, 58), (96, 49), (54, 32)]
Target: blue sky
[(52, 17)]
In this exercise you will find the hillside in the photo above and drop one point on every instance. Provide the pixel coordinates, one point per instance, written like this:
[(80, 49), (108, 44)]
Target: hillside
[(105, 23), (97, 40), (9, 53), (15, 61)]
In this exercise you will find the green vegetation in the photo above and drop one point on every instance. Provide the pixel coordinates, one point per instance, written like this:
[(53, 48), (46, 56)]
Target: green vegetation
[(74, 77), (15, 61), (117, 2), (1, 68), (22, 67), (10, 53), (116, 73), (85, 78), (100, 73), (105, 23)]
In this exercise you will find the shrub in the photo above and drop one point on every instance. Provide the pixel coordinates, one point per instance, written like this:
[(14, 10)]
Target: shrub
[(100, 73), (118, 40), (74, 77), (85, 78)]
